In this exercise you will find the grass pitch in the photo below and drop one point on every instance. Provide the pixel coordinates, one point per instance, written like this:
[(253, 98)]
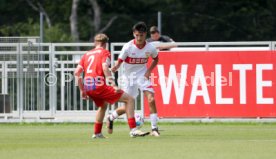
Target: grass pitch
[(178, 141)]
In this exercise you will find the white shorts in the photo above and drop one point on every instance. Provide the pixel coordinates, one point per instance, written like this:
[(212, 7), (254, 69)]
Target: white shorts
[(131, 86)]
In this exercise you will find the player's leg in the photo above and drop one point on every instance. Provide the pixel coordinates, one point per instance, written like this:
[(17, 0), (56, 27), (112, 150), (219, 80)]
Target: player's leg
[(116, 113), (146, 86), (111, 97), (153, 112), (102, 106), (129, 109), (132, 90)]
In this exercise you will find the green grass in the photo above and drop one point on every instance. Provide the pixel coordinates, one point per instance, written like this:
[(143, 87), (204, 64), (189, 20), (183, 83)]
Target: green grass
[(178, 141)]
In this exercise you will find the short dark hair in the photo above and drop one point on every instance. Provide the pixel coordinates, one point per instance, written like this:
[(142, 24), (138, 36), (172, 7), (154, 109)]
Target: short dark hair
[(154, 29), (140, 26)]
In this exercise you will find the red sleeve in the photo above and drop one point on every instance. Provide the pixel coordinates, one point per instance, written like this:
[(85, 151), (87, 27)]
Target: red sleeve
[(81, 63), (106, 58), (120, 60)]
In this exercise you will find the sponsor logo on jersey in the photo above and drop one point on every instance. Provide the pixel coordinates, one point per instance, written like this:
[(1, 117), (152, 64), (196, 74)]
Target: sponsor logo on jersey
[(131, 60)]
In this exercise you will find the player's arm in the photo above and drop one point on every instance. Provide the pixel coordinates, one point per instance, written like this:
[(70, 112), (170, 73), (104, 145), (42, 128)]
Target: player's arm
[(170, 43), (167, 47), (108, 76), (78, 77), (151, 67), (117, 65), (123, 55)]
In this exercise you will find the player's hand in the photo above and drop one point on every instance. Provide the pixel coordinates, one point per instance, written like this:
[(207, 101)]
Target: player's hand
[(114, 69), (117, 89), (84, 95), (147, 75)]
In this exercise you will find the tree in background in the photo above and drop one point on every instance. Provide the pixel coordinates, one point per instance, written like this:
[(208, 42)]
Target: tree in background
[(183, 20), (94, 22)]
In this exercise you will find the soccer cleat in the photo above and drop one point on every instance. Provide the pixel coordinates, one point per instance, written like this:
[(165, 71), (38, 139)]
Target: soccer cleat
[(98, 136), (109, 125), (155, 132), (138, 133)]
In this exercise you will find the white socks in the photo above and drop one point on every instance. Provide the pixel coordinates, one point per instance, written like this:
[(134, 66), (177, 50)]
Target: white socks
[(133, 129), (153, 119), (114, 115)]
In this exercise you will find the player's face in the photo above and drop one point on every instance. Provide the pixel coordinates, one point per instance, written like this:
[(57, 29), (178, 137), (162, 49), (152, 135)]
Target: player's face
[(155, 36), (140, 37)]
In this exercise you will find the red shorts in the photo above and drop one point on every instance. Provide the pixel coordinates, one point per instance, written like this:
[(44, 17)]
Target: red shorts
[(104, 94)]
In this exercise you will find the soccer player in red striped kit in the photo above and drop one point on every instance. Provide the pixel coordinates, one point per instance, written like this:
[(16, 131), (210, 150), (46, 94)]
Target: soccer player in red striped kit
[(95, 65)]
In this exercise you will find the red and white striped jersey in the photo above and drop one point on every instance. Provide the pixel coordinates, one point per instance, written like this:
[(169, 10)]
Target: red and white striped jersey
[(135, 58)]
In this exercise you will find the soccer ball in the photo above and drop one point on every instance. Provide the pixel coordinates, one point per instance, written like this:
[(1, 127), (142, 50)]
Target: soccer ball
[(139, 120)]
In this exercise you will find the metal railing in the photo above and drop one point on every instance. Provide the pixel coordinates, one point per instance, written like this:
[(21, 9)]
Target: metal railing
[(37, 80)]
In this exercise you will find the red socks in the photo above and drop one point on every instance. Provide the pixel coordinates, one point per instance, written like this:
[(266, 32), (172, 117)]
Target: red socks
[(98, 128), (131, 123)]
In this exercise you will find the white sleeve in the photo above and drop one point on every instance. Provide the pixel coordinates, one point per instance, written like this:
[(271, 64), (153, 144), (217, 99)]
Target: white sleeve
[(124, 52), (154, 52)]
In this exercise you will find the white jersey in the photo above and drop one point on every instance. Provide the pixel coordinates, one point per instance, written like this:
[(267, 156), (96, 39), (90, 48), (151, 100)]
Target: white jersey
[(135, 58)]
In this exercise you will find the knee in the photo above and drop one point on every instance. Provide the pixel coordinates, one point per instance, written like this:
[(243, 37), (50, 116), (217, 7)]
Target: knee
[(130, 99)]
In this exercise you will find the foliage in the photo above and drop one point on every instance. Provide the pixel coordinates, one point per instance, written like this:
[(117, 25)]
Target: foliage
[(183, 20)]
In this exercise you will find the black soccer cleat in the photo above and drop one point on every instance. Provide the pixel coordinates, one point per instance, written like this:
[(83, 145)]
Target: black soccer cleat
[(109, 125), (155, 132)]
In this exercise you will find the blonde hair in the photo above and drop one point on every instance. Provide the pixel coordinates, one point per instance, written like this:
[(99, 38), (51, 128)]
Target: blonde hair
[(101, 38)]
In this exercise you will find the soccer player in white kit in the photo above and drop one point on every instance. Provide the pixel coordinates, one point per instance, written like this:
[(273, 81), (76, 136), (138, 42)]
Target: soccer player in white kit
[(134, 56)]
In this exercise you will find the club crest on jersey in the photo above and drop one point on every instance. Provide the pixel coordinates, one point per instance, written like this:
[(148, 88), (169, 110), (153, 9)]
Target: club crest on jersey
[(147, 54)]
